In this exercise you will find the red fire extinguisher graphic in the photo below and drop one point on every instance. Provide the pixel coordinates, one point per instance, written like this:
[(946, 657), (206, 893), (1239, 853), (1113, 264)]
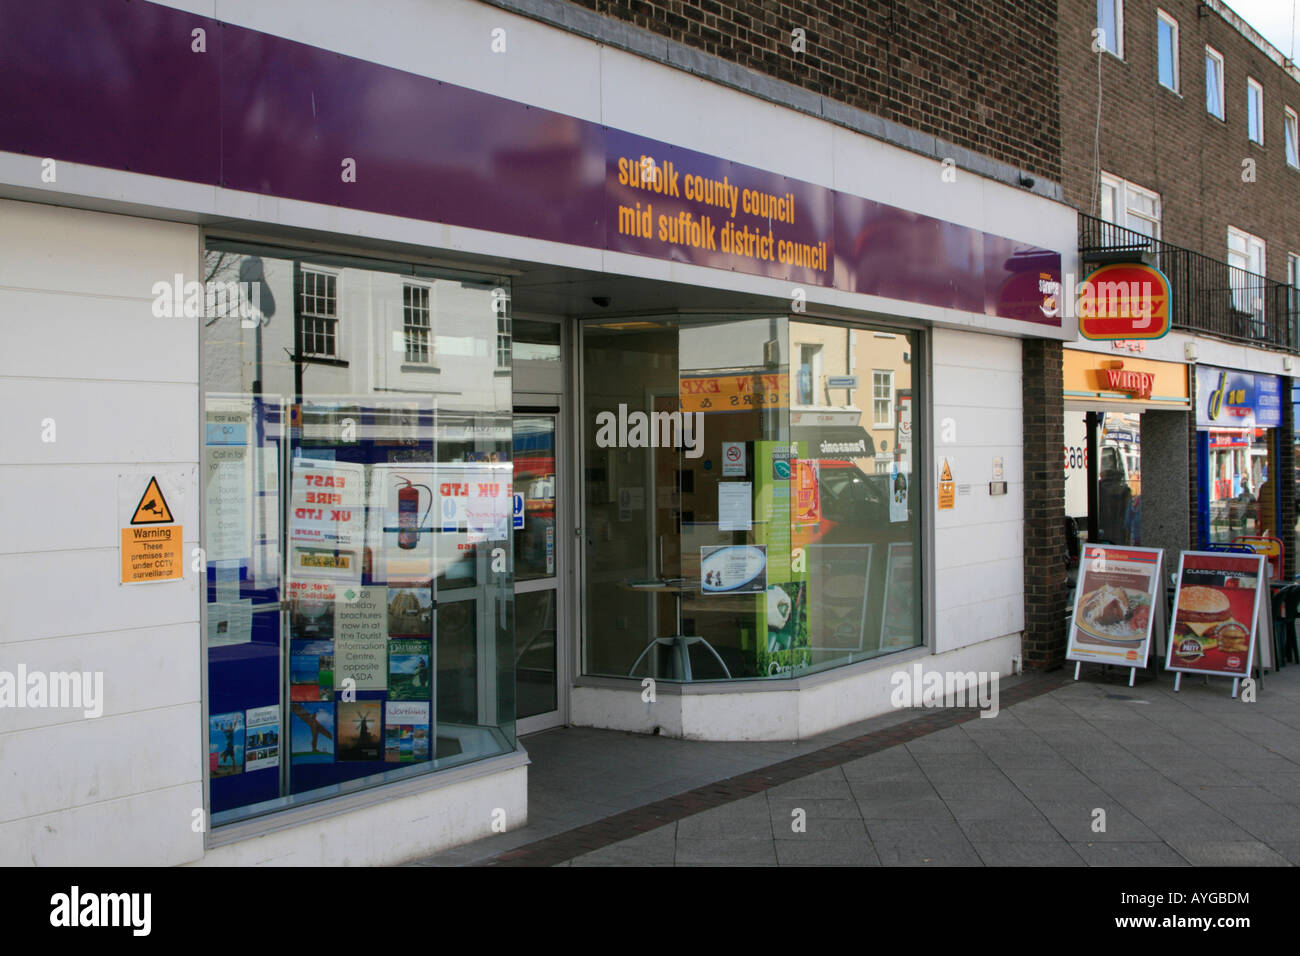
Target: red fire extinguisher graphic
[(408, 513)]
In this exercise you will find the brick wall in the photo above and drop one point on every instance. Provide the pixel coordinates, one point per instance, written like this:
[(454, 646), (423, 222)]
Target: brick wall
[(1169, 143), (1045, 558), (981, 74)]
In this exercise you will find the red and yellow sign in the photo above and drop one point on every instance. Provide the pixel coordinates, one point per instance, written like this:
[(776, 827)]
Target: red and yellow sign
[(1124, 301), (734, 393), (1093, 375)]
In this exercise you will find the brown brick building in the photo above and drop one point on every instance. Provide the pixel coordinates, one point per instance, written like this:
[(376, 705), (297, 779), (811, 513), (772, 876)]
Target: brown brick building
[(1166, 141)]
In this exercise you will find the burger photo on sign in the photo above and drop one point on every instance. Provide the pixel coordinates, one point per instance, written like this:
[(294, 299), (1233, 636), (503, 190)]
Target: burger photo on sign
[(1207, 629)]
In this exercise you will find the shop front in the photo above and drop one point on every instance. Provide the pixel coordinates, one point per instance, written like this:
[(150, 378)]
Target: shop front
[(457, 447), (1118, 406), (1239, 445)]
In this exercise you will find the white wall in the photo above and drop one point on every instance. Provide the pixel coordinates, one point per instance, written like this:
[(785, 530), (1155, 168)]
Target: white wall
[(979, 545), (82, 347)]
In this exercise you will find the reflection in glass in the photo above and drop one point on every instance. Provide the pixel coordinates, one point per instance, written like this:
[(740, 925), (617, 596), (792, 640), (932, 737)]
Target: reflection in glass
[(745, 514), (357, 491)]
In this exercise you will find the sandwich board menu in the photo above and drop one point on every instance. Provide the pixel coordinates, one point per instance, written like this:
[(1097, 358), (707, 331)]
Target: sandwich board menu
[(1118, 600), (1216, 614)]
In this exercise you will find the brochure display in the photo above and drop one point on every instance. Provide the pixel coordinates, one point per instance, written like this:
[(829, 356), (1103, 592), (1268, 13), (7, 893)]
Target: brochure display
[(1216, 615), (1118, 606)]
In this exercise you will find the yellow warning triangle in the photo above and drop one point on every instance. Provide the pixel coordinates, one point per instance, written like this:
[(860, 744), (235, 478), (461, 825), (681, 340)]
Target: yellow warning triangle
[(947, 472), (152, 508)]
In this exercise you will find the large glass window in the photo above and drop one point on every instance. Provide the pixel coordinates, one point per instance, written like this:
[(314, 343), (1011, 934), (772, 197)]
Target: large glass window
[(734, 526), (356, 526)]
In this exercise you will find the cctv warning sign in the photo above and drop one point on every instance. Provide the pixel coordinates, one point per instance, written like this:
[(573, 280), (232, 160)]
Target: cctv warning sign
[(151, 540)]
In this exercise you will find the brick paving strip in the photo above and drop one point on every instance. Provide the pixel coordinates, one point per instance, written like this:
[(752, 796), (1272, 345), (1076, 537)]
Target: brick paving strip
[(631, 823)]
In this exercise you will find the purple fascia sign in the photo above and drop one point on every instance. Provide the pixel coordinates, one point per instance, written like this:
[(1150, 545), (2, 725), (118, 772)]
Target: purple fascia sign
[(114, 83)]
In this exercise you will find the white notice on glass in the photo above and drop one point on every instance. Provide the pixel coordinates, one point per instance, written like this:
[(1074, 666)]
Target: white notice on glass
[(735, 505)]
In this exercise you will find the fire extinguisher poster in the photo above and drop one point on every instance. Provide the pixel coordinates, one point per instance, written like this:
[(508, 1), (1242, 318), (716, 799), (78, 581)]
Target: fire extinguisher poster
[(402, 501), (327, 519)]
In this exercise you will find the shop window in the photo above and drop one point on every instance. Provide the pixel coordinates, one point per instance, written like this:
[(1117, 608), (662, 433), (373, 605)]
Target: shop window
[(733, 529), (1214, 82), (1255, 111), (415, 323), (318, 314), (882, 398), (1110, 21), (1167, 50), (358, 601)]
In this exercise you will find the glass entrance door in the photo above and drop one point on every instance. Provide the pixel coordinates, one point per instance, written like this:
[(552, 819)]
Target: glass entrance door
[(538, 651)]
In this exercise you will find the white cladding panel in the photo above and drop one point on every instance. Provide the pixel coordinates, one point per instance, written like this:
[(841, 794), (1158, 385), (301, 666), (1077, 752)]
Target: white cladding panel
[(979, 545), (121, 389)]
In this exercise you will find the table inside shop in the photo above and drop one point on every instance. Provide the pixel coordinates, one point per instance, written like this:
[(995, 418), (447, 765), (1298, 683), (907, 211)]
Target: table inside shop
[(679, 642)]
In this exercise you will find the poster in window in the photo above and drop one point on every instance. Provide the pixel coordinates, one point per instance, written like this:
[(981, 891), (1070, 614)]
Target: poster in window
[(1117, 602), (406, 732), (312, 732), (311, 670), (359, 730), (410, 666), (361, 640), (262, 738), (226, 744)]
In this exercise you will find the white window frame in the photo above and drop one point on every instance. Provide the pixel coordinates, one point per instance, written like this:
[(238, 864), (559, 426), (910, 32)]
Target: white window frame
[(1253, 86), (412, 332), (1244, 299), (1291, 134), (1115, 48), (1161, 16), (1212, 54), (1122, 213), (888, 421), (322, 324)]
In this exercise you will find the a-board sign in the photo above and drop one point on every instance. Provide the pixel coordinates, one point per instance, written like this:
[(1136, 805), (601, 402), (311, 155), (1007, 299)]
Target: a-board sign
[(1118, 604), (1216, 613)]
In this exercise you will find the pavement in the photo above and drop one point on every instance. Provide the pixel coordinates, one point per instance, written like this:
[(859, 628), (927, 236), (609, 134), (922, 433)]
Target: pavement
[(1093, 773)]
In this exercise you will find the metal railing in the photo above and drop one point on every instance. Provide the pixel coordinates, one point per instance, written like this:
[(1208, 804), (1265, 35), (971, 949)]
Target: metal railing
[(1209, 296)]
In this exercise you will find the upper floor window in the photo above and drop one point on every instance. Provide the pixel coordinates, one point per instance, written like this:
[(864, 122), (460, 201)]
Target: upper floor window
[(1110, 23), (1246, 261), (1214, 82), (1292, 139), (1167, 49), (1255, 110), (1293, 271), (1130, 206), (319, 314)]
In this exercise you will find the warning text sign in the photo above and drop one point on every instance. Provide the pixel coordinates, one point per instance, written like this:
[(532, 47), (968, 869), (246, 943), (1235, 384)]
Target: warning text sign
[(151, 554)]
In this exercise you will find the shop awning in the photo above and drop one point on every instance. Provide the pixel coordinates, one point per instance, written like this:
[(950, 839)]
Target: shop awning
[(835, 441)]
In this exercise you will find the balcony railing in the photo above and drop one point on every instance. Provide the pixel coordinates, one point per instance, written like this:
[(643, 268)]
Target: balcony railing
[(1209, 296)]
